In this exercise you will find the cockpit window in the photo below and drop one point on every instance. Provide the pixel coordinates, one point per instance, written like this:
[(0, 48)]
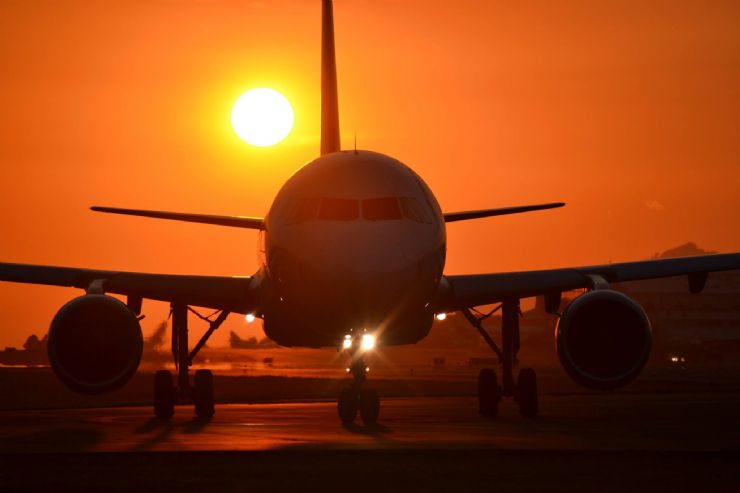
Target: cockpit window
[(341, 209), (334, 209), (413, 210), (305, 210), (381, 209)]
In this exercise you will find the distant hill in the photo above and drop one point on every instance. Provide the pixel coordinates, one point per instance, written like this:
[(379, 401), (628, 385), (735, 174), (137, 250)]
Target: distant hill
[(686, 250)]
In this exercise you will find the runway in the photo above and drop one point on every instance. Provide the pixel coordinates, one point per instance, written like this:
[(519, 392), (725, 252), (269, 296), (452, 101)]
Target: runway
[(605, 422), (581, 442)]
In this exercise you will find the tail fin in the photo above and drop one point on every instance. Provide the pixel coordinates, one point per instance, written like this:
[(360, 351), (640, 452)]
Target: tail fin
[(329, 102)]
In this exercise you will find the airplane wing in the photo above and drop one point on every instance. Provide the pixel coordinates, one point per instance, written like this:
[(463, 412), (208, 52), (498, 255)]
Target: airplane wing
[(465, 291), (465, 215), (233, 221), (233, 294)]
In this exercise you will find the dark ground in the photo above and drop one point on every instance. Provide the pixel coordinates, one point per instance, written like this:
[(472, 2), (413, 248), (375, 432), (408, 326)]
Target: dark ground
[(364, 470), (672, 430)]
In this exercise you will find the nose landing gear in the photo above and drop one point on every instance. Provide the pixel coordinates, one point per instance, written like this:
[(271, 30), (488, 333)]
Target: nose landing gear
[(356, 397)]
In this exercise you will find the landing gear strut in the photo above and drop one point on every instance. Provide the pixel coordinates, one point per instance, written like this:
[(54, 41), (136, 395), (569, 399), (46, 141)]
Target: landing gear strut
[(490, 393), (200, 394), (356, 397)]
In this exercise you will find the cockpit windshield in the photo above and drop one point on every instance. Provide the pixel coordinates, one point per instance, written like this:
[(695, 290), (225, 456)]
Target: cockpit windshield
[(334, 209), (344, 209), (382, 209), (305, 210), (413, 210)]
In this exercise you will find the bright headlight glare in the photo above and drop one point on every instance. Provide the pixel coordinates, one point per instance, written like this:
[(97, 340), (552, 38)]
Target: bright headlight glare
[(347, 343), (250, 318), (441, 316), (368, 342)]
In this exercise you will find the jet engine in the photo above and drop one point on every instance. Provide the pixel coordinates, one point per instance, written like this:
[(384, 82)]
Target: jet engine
[(603, 339), (95, 344)]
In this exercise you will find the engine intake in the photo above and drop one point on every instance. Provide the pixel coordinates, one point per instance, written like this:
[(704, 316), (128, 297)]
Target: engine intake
[(603, 339), (95, 344)]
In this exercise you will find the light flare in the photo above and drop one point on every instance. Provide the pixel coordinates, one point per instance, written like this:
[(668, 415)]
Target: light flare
[(368, 342)]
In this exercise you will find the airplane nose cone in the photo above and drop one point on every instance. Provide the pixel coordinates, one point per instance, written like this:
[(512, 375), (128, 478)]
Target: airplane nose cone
[(350, 275), (359, 269)]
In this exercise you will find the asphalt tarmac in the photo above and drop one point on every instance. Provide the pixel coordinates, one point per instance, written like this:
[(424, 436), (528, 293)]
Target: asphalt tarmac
[(698, 422), (662, 442)]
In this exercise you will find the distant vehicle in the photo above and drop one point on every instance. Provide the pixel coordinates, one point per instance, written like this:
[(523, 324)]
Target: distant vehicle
[(354, 246)]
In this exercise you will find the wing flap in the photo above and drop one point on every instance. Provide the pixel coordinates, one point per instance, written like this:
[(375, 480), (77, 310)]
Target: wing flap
[(227, 293), (482, 289)]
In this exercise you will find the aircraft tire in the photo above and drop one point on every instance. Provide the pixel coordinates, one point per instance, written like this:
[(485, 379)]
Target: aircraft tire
[(489, 393), (347, 406), (369, 406), (164, 395), (203, 394), (527, 393)]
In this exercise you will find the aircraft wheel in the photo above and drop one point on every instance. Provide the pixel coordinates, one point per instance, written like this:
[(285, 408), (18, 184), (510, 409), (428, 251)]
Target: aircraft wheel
[(347, 406), (369, 406), (527, 393), (164, 395), (203, 394), (489, 393)]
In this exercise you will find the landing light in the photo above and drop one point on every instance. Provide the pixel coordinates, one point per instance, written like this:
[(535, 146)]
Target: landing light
[(347, 342), (441, 316), (250, 318), (368, 342)]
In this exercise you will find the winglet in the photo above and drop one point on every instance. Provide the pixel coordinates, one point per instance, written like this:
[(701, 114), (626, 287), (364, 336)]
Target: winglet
[(329, 99)]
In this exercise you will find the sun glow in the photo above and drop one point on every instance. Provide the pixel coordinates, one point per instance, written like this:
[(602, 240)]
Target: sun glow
[(262, 117)]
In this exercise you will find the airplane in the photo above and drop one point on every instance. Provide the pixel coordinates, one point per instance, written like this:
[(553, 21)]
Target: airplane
[(354, 250)]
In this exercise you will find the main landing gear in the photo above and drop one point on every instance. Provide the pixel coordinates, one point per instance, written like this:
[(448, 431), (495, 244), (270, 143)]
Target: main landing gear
[(200, 394), (490, 393), (356, 397)]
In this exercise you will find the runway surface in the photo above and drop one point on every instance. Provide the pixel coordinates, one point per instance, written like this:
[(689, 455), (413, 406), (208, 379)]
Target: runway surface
[(581, 442), (660, 422)]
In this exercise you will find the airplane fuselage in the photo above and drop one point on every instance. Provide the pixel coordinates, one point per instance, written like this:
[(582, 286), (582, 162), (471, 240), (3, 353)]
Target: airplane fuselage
[(354, 241)]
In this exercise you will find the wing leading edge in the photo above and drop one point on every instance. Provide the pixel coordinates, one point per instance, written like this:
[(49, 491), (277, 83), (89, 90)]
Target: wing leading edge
[(481, 289), (234, 294), (232, 221), (502, 211)]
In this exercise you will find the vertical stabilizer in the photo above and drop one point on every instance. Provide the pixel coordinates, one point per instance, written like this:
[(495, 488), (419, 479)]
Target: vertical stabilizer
[(329, 103)]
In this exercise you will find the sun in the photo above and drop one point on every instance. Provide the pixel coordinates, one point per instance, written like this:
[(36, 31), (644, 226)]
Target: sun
[(262, 117)]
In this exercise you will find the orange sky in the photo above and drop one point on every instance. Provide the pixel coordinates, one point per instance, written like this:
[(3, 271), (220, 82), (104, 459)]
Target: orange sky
[(628, 111)]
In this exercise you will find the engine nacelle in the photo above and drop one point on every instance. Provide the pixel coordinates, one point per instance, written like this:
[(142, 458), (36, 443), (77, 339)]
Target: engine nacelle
[(603, 339), (95, 344)]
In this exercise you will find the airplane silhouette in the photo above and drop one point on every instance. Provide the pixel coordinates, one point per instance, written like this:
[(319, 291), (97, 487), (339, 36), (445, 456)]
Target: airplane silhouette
[(354, 250)]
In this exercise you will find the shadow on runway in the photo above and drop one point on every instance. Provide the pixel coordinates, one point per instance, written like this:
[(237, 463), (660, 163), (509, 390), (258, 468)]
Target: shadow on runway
[(375, 429), (195, 425), (164, 429)]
